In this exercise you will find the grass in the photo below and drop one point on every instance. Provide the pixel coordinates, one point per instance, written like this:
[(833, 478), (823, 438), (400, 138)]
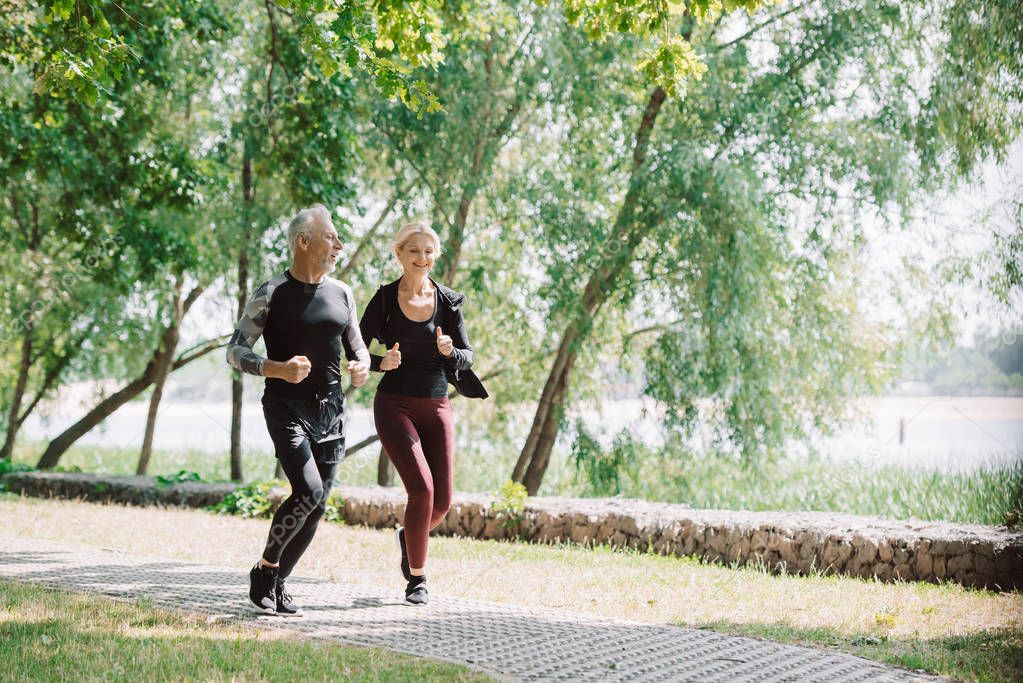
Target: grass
[(50, 635), (111, 460), (983, 496), (988, 495), (947, 629)]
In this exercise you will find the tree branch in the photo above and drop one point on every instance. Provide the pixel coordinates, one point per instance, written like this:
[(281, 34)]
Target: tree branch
[(200, 350), (372, 231), (760, 26)]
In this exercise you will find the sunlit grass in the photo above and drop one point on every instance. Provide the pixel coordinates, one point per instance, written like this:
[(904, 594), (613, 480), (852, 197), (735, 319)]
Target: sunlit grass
[(918, 625), (988, 495), (53, 636)]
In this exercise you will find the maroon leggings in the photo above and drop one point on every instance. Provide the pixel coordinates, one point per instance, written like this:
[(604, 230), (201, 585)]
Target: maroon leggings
[(419, 438)]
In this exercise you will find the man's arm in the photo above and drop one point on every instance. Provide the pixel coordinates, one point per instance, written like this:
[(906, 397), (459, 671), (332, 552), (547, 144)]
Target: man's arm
[(249, 329), (355, 347)]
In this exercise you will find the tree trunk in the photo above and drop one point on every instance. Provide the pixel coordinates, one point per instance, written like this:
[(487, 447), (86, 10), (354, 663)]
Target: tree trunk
[(32, 235), (385, 470), (535, 455), (63, 441), (237, 381), (163, 365), (13, 423), (548, 432)]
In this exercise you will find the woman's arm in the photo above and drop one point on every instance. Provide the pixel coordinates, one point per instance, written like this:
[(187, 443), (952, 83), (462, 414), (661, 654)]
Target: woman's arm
[(461, 355), (369, 327)]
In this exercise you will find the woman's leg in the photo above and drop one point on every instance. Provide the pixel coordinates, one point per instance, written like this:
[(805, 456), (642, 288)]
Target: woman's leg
[(400, 438), (438, 442)]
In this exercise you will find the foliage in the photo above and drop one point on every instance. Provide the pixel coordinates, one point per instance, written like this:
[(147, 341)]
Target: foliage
[(253, 500), (385, 41), (250, 500), (510, 505), (602, 470), (179, 477), (7, 466)]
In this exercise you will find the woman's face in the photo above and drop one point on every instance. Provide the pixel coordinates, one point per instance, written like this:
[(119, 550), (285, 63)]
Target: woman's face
[(417, 254)]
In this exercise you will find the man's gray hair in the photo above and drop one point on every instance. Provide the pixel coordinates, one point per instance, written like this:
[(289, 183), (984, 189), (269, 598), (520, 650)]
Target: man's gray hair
[(303, 221)]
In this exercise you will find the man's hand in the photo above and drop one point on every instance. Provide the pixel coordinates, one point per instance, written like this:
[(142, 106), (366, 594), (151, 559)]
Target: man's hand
[(293, 370), (359, 372), (392, 359), (444, 343)]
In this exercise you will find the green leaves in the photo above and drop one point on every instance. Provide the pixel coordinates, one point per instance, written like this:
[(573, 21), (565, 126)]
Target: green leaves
[(384, 40), (671, 66)]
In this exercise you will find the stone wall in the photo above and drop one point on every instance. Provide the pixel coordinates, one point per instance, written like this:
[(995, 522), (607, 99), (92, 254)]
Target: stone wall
[(800, 543)]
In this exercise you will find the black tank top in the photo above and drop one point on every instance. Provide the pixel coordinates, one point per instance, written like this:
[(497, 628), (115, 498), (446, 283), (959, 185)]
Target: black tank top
[(421, 373)]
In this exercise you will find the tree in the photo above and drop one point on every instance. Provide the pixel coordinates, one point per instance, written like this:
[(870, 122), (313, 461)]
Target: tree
[(113, 187), (384, 41), (706, 218)]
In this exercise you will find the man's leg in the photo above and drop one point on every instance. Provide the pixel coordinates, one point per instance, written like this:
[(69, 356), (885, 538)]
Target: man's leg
[(295, 548), (307, 499)]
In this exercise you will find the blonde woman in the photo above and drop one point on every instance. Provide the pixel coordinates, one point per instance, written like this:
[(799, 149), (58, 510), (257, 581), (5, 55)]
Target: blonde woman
[(419, 321)]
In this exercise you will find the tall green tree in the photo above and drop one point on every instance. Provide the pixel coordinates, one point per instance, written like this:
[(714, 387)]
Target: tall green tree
[(100, 198), (825, 105)]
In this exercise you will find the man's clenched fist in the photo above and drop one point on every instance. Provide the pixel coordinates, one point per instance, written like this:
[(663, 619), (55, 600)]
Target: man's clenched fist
[(359, 372)]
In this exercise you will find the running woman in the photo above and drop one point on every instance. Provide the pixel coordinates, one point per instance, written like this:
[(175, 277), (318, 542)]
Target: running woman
[(420, 323), (306, 319)]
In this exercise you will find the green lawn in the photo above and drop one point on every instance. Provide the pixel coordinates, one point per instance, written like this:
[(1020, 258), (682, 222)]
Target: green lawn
[(49, 636), (984, 496), (969, 634)]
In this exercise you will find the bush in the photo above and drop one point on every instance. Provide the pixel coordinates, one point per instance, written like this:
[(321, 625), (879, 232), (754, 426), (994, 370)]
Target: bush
[(251, 500), (180, 477), (510, 505)]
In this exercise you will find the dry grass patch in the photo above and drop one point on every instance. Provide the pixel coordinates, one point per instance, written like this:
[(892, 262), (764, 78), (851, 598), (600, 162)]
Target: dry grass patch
[(866, 617)]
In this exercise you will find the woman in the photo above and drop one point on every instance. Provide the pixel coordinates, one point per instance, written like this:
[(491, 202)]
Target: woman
[(419, 321)]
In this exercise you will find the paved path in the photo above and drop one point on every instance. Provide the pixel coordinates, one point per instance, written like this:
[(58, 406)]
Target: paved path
[(506, 641)]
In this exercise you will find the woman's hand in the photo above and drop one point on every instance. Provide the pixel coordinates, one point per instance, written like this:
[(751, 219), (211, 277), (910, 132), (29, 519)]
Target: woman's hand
[(444, 343), (392, 359)]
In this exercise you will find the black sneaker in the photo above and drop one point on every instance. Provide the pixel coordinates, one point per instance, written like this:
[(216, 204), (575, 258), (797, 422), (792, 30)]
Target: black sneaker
[(415, 592), (262, 584), (285, 606), (400, 533)]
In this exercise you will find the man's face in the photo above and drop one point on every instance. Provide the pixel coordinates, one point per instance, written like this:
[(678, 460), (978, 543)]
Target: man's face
[(324, 246), (417, 254)]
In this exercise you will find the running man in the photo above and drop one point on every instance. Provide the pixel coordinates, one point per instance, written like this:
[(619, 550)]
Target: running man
[(306, 318)]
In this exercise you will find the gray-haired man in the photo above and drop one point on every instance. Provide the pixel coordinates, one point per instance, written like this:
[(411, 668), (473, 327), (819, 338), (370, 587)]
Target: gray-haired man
[(306, 318)]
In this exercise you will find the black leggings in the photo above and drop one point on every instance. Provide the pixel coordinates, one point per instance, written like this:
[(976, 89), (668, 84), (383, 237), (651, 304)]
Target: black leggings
[(294, 523), (309, 442)]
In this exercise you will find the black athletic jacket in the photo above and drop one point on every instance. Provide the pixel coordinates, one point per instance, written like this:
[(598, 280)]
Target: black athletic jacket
[(458, 367)]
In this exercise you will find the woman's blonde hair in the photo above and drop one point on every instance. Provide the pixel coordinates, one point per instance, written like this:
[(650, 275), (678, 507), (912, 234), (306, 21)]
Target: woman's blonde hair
[(413, 228)]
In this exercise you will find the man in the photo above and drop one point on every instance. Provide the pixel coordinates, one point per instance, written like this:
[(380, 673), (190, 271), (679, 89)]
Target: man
[(305, 318)]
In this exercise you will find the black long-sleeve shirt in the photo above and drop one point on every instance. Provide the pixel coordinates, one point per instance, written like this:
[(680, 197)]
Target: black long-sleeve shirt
[(297, 318), (423, 369)]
